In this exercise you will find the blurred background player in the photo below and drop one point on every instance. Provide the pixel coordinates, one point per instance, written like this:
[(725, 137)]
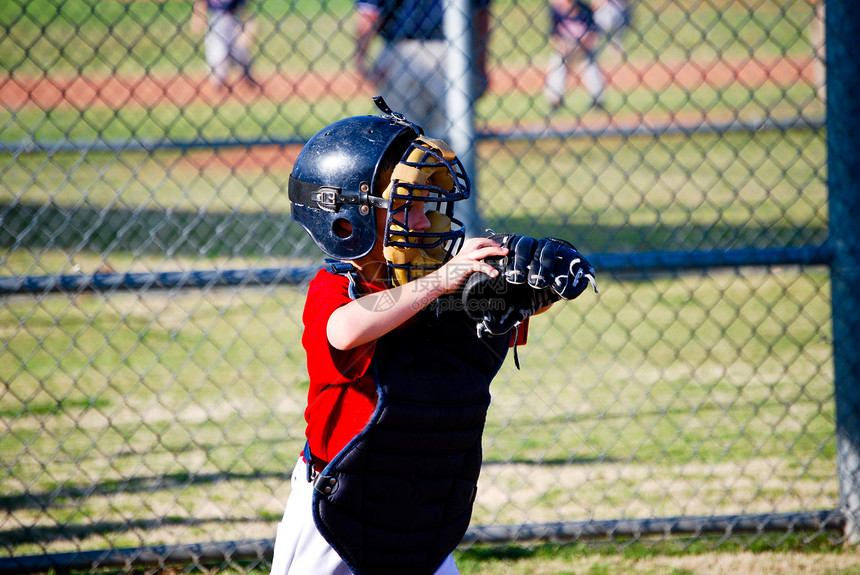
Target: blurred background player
[(613, 18), (409, 72), (573, 36), (228, 37)]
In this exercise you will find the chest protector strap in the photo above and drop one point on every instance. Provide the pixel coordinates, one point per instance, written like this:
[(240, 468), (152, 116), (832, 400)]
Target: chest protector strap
[(398, 498)]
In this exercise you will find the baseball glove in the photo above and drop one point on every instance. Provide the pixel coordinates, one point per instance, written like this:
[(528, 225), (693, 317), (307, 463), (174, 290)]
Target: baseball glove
[(534, 274)]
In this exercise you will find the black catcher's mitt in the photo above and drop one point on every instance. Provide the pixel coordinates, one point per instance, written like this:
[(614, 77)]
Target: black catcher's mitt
[(534, 274)]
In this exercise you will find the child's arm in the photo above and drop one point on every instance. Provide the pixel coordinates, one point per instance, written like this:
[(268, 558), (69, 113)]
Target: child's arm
[(372, 316)]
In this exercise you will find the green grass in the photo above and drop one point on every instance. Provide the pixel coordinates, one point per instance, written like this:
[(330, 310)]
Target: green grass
[(74, 38), (761, 554), (296, 117), (765, 554), (661, 396), (173, 392), (607, 194), (640, 193), (667, 395), (176, 417)]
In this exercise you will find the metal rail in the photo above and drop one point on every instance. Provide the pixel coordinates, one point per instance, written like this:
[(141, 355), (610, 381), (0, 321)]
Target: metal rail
[(517, 133), (260, 549), (641, 262)]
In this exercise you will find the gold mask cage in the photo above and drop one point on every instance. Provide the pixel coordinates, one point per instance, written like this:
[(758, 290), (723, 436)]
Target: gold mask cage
[(431, 174)]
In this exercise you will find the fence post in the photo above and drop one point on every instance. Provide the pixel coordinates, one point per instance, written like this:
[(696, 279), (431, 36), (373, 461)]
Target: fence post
[(460, 101), (842, 26)]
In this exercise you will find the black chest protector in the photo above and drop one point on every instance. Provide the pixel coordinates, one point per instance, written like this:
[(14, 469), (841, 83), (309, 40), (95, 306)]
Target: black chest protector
[(398, 498)]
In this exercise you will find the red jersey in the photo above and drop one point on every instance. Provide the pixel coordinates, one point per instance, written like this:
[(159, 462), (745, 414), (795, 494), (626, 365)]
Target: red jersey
[(342, 395)]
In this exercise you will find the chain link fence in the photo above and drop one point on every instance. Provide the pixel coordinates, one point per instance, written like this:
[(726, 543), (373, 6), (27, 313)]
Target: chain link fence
[(152, 281)]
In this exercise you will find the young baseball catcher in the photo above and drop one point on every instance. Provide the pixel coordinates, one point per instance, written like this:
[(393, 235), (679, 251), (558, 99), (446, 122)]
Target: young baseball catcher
[(404, 330)]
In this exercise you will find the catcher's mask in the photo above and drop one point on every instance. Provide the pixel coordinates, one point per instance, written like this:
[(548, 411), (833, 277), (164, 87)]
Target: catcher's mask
[(383, 162)]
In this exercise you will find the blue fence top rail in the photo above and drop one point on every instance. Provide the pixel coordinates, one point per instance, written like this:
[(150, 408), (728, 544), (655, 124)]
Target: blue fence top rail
[(155, 280), (632, 262)]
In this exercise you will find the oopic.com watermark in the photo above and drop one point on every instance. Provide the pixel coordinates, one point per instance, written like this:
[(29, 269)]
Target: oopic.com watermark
[(383, 301)]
